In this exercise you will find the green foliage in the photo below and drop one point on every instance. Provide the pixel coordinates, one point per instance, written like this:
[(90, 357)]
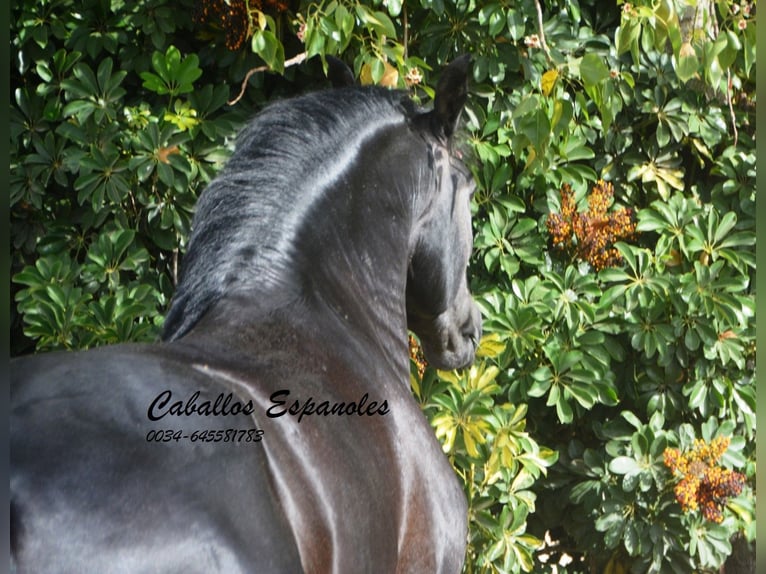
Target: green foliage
[(666, 340), (113, 139), (486, 440), (584, 377), (173, 75)]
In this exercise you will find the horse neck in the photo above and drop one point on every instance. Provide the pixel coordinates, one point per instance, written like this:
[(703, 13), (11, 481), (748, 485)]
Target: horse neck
[(352, 257), (346, 267)]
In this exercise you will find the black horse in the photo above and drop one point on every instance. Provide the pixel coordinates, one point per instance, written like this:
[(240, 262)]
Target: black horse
[(273, 430)]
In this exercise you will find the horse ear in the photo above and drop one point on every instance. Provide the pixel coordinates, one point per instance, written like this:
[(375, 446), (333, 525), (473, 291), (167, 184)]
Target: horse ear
[(339, 74), (451, 94)]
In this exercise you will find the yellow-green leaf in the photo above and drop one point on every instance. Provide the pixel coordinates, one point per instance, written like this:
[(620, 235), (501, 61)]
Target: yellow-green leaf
[(548, 81), (491, 346), (482, 377), (688, 64)]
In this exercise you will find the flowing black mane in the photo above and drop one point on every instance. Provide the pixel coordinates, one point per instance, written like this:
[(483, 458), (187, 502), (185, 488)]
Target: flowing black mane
[(284, 160)]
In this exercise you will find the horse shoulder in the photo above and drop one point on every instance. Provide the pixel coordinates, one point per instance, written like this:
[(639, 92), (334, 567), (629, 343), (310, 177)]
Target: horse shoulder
[(88, 486)]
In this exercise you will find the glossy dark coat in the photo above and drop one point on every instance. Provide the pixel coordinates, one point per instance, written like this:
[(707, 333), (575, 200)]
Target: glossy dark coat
[(342, 218)]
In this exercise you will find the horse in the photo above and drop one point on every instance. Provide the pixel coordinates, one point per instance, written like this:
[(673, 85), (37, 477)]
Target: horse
[(273, 429)]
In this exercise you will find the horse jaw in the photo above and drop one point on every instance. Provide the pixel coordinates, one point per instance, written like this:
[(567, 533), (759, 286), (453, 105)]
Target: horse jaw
[(451, 340)]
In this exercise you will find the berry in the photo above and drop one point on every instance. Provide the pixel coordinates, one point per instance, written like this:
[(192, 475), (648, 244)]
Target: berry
[(590, 236)]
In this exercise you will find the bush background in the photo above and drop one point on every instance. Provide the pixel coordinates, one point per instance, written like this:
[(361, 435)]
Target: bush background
[(119, 118)]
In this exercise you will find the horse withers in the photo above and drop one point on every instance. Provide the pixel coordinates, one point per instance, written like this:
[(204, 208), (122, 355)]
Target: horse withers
[(273, 429)]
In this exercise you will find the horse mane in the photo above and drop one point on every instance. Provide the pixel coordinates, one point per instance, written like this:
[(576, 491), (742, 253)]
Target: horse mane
[(283, 161)]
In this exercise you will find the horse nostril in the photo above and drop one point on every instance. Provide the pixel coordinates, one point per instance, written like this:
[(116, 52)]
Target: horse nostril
[(472, 332), (472, 328)]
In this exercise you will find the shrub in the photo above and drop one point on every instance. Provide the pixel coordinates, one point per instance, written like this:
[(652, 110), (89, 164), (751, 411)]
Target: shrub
[(611, 352)]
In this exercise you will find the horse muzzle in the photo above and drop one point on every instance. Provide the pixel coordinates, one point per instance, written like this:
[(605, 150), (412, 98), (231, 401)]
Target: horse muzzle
[(453, 338)]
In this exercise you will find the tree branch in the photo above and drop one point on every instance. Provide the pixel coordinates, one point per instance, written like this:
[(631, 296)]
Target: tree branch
[(541, 33), (731, 106), (295, 60), (406, 26)]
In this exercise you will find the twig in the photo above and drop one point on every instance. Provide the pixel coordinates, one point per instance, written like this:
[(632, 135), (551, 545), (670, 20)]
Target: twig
[(295, 60), (406, 26), (174, 269), (731, 106), (543, 43)]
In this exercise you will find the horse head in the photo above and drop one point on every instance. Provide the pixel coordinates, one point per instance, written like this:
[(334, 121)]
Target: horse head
[(440, 309)]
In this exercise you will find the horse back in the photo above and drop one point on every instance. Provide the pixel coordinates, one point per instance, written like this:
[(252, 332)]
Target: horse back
[(93, 488)]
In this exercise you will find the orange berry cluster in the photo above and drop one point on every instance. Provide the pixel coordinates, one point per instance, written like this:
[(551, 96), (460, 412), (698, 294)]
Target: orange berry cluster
[(416, 354), (234, 16), (590, 236), (704, 485)]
